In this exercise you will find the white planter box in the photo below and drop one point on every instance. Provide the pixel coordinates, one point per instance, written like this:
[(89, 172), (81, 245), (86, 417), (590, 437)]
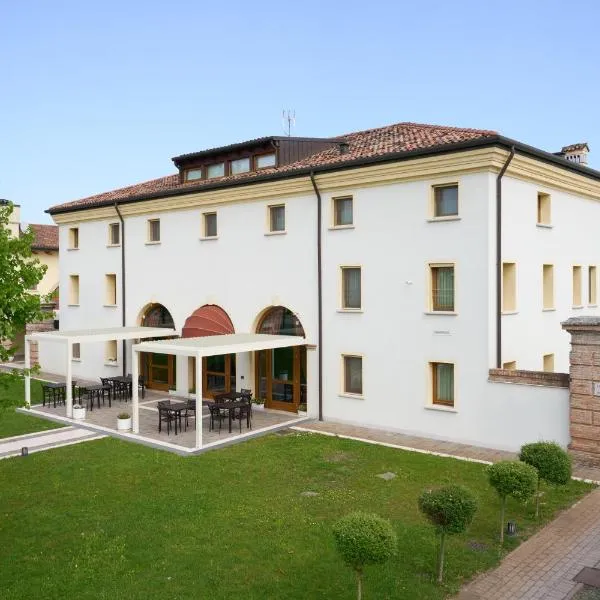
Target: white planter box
[(79, 413), (258, 407), (124, 424)]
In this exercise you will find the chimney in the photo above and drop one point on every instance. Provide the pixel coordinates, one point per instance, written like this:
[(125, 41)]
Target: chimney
[(576, 153)]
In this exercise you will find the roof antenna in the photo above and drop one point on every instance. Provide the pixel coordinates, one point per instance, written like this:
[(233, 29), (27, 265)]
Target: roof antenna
[(288, 121)]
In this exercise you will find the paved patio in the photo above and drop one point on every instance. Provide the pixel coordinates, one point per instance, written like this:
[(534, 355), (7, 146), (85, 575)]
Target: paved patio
[(104, 420)]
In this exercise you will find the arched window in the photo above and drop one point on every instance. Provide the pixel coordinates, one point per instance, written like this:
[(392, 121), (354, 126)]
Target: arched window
[(280, 321), (157, 316)]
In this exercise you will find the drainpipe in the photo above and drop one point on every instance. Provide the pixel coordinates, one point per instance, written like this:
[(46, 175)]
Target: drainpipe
[(319, 292), (122, 284), (499, 258)]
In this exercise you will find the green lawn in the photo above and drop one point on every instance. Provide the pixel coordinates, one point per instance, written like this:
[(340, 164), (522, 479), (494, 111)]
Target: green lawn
[(14, 423), (110, 519)]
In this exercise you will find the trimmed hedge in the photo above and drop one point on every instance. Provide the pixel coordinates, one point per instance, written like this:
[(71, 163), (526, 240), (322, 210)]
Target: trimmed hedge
[(551, 462)]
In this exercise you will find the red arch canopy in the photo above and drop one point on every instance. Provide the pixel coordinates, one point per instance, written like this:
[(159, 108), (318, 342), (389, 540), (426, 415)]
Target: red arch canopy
[(209, 319)]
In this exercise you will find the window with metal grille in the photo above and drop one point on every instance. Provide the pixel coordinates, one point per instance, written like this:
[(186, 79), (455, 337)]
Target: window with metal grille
[(442, 378), (442, 288)]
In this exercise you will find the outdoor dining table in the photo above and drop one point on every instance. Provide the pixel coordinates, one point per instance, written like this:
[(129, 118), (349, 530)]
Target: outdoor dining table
[(94, 392), (173, 407), (230, 407), (58, 391)]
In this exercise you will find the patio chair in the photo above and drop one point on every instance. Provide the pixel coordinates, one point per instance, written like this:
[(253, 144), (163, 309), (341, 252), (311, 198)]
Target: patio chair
[(190, 408), (141, 384), (247, 395), (107, 388), (243, 412), (216, 414), (165, 415)]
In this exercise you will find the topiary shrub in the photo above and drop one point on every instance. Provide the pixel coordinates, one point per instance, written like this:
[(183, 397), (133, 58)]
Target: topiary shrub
[(512, 478), (451, 510), (364, 539), (552, 463)]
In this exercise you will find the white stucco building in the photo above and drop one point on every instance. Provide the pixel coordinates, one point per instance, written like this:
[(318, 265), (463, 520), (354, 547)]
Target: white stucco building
[(391, 235)]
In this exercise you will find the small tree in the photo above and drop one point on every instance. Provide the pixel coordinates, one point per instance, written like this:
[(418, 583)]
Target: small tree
[(451, 510), (364, 539), (512, 478), (552, 463)]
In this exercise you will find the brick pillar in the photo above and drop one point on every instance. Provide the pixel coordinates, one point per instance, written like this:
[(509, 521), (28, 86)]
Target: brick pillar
[(33, 348), (584, 388)]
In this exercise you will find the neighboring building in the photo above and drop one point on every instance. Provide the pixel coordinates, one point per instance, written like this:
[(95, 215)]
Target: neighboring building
[(408, 246), (45, 249)]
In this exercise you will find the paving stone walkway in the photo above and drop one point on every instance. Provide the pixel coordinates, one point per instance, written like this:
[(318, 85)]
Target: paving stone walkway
[(543, 567), (45, 440)]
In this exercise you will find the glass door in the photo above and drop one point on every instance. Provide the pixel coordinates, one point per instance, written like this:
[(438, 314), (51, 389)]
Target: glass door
[(159, 371), (218, 375), (281, 377)]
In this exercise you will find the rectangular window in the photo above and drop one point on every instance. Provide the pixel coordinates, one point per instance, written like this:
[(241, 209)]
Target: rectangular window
[(353, 375), (510, 365), (264, 161), (240, 165), (342, 211), (442, 288), (76, 351), (114, 234), (351, 288), (277, 218), (110, 351), (548, 363), (442, 379), (210, 225), (111, 289), (576, 285), (544, 214), (445, 199), (74, 238), (154, 230), (74, 289), (592, 285), (509, 287), (548, 286), (215, 170), (193, 174)]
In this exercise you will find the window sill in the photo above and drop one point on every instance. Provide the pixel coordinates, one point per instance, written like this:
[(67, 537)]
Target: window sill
[(544, 225), (444, 313), (72, 304), (269, 233), (152, 243), (71, 249), (348, 395), (577, 306), (209, 238), (350, 310), (336, 227), (76, 360), (113, 245), (441, 408), (510, 312), (110, 363), (444, 219), (592, 306), (110, 305), (548, 309)]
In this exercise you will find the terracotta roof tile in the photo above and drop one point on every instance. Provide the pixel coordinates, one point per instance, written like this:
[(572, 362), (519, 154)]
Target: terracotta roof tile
[(401, 137), (46, 237)]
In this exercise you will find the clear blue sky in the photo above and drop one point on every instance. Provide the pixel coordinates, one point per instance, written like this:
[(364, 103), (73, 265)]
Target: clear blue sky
[(99, 95)]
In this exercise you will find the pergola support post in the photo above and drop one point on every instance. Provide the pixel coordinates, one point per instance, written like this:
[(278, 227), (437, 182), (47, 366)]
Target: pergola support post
[(135, 375), (69, 382), (27, 375), (198, 400)]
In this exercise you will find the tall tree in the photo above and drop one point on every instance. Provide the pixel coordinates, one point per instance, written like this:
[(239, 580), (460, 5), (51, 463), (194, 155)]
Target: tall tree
[(20, 271)]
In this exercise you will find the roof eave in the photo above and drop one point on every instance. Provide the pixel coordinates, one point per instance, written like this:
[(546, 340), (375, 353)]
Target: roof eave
[(482, 142)]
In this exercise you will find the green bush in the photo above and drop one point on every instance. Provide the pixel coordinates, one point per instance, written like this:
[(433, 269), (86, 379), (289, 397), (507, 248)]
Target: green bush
[(451, 510), (512, 478), (364, 539), (552, 463)]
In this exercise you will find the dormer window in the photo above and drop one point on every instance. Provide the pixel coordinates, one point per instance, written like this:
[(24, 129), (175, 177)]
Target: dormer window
[(193, 174), (264, 161), (241, 165), (215, 170)]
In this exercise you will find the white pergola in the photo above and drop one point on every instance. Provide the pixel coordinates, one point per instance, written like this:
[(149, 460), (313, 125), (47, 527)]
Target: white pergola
[(199, 348), (83, 336)]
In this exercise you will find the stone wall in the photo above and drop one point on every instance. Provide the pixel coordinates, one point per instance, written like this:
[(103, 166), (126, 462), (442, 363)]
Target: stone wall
[(529, 377), (584, 401)]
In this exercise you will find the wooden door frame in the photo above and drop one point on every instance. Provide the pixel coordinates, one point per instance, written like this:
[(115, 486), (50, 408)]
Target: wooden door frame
[(295, 381), (146, 358)]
